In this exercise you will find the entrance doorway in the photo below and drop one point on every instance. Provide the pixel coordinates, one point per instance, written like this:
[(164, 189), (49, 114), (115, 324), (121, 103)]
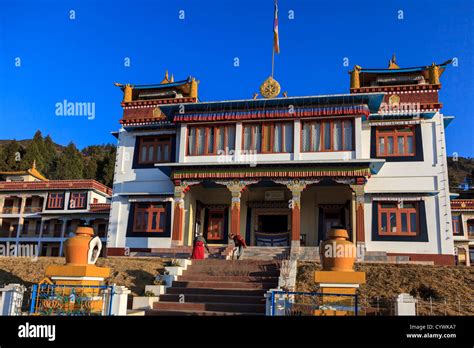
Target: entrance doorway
[(272, 228), (215, 226), (331, 215)]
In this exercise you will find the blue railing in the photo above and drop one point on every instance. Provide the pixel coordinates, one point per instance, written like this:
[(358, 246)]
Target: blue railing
[(305, 303), (71, 300)]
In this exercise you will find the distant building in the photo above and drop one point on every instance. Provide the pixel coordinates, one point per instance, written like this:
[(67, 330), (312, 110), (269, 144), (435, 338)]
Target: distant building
[(281, 171), (41, 212), (462, 209)]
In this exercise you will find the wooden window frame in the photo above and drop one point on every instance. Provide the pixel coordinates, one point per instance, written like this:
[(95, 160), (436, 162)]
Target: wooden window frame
[(272, 137), (398, 213), (331, 132), (156, 141), (207, 129), (58, 200), (74, 197), (469, 223), (457, 225), (147, 227), (395, 133)]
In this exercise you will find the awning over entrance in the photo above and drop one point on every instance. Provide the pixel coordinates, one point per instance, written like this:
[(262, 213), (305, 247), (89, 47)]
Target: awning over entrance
[(265, 172), (295, 169)]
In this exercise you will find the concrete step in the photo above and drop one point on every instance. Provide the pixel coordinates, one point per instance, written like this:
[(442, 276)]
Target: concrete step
[(195, 267), (213, 307), (216, 278), (223, 285), (216, 292), (160, 312), (212, 298), (232, 272)]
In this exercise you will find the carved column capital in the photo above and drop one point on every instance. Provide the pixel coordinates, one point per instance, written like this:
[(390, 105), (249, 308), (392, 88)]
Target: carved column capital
[(359, 191), (180, 188), (236, 187), (296, 186)]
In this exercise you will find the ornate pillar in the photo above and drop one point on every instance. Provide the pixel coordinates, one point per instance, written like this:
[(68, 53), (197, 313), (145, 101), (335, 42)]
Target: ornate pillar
[(296, 186), (180, 189), (359, 192), (235, 187), (178, 215)]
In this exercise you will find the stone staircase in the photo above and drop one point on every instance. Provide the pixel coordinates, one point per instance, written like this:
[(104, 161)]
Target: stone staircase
[(265, 253), (183, 252), (219, 287)]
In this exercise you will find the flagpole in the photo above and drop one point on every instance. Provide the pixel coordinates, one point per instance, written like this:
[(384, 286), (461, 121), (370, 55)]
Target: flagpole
[(273, 59)]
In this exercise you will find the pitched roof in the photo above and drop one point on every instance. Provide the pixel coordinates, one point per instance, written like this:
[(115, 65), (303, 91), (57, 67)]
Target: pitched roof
[(31, 171)]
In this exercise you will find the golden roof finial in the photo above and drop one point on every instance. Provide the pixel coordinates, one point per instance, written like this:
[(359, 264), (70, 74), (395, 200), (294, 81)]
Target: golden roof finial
[(392, 63), (172, 78), (166, 79), (33, 166)]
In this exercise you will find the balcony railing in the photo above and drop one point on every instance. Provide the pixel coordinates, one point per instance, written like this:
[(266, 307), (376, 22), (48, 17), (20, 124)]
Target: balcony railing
[(7, 234), (10, 210), (33, 209)]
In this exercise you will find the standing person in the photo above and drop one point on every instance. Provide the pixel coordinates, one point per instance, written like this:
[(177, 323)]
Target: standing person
[(198, 248), (239, 243)]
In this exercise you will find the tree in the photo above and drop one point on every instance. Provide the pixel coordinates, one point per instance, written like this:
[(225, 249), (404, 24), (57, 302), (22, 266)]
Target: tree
[(69, 164), (34, 152), (49, 155), (12, 156)]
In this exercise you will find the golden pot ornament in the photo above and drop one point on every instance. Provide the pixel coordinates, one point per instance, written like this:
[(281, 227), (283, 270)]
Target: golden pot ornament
[(337, 252), (83, 248)]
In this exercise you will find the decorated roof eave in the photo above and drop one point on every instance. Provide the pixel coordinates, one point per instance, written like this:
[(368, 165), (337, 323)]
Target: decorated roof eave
[(404, 70), (402, 115), (148, 125), (160, 86), (374, 165), (372, 100), (447, 120)]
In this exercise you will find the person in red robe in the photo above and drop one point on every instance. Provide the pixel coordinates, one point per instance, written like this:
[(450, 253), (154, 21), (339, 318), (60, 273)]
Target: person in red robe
[(239, 245), (198, 248)]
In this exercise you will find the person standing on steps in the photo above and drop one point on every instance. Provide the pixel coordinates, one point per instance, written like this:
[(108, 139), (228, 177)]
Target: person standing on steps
[(239, 245), (198, 247)]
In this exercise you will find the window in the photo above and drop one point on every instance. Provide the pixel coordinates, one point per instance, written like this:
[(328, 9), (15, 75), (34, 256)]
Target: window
[(395, 141), (149, 217), (274, 137), (210, 140), (457, 228), (470, 228), (154, 149), (398, 218), (327, 135), (56, 200), (78, 200)]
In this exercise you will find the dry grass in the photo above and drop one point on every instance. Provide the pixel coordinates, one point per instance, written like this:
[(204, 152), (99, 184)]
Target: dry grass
[(450, 284), (134, 273)]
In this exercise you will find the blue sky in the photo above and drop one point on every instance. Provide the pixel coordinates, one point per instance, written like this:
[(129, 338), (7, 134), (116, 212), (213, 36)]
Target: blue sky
[(79, 59)]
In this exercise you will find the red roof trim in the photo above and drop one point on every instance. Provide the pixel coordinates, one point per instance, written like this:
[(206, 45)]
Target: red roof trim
[(99, 207), (462, 204)]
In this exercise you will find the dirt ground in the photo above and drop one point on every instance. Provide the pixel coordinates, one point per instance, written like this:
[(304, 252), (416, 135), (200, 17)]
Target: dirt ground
[(134, 273), (439, 289)]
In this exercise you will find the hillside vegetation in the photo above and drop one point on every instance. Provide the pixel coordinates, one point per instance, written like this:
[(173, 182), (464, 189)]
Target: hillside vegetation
[(59, 162)]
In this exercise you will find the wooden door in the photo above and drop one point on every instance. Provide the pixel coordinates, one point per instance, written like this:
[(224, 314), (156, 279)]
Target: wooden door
[(215, 227)]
